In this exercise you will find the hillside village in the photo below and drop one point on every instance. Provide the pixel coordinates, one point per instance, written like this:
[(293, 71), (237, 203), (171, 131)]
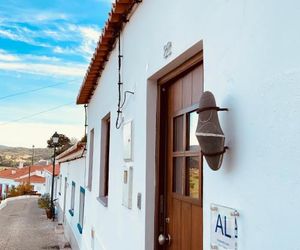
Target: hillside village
[(14, 156)]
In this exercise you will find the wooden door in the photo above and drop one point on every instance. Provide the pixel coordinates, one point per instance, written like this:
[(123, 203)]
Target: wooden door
[(183, 170)]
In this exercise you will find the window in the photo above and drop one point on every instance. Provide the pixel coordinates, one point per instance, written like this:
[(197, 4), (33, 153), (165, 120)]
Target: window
[(104, 163), (91, 156), (60, 184), (71, 211), (81, 209), (187, 172)]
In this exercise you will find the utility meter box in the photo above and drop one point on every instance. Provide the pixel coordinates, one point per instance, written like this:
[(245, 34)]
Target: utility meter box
[(127, 141), (127, 187)]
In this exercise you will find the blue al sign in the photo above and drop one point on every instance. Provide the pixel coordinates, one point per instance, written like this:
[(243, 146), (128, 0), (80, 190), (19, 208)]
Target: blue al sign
[(224, 228)]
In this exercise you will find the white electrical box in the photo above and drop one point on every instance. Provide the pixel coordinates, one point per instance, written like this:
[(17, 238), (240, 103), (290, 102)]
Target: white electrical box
[(127, 141), (127, 187)]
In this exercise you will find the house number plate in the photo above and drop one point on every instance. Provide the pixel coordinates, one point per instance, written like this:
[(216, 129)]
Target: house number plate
[(167, 50)]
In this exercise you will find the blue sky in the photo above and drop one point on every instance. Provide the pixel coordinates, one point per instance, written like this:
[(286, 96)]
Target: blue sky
[(45, 44)]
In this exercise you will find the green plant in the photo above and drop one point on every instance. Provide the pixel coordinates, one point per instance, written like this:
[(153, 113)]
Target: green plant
[(44, 201), (22, 189)]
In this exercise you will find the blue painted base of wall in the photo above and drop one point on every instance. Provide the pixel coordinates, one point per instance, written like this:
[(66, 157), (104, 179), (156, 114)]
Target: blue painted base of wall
[(71, 212), (79, 228)]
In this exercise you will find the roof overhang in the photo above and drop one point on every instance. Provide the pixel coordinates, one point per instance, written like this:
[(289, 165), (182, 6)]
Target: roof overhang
[(74, 152), (118, 16)]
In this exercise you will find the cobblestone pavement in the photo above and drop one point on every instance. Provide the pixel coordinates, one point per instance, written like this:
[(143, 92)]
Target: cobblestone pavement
[(24, 226)]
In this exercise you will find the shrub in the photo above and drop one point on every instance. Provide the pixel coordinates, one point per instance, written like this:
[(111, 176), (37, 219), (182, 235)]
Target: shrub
[(44, 201), (22, 189)]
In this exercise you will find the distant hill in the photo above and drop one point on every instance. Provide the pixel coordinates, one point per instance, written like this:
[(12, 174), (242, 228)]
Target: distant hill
[(12, 156)]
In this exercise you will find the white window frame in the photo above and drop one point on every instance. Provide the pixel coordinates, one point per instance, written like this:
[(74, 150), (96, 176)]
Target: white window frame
[(81, 209), (91, 160), (73, 189)]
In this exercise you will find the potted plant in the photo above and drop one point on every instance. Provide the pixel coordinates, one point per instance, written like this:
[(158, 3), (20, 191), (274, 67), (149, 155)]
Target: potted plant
[(45, 202)]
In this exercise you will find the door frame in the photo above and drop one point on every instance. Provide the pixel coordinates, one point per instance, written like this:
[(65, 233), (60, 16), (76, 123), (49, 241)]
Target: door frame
[(65, 198), (161, 141)]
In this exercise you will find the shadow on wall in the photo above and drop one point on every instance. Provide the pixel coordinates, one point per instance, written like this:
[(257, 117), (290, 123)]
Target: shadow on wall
[(228, 124)]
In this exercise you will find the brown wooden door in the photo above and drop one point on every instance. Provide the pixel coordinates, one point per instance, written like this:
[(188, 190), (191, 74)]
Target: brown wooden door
[(183, 174)]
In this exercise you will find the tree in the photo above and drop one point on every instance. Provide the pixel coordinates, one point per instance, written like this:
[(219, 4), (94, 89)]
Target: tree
[(73, 140), (63, 143)]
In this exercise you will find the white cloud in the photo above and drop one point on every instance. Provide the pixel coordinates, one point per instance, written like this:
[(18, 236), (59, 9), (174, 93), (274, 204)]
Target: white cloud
[(48, 16), (83, 38), (44, 69), (49, 59), (22, 34), (107, 1), (28, 134), (4, 56), (61, 50), (32, 16), (87, 37), (90, 37), (36, 130), (39, 65)]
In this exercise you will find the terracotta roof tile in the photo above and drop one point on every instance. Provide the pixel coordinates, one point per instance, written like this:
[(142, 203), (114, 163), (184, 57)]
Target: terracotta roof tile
[(33, 179), (118, 16), (50, 169), (17, 173)]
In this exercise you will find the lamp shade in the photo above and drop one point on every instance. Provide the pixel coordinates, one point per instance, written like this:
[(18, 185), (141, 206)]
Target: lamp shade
[(55, 138), (209, 133)]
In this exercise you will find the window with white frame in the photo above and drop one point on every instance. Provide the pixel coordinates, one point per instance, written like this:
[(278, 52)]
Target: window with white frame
[(81, 209), (71, 211), (91, 157)]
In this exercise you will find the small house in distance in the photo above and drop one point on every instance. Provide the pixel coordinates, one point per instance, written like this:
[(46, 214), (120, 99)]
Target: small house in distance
[(71, 193), (146, 183), (48, 173), (12, 177)]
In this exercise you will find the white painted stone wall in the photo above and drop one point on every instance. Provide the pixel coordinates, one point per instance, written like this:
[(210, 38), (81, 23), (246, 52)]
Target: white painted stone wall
[(48, 184), (8, 182), (251, 64), (74, 171), (39, 187)]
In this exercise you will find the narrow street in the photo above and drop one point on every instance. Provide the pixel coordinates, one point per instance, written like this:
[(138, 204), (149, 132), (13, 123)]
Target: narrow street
[(24, 227)]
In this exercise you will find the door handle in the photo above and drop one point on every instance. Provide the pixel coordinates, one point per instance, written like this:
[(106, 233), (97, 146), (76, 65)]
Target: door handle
[(164, 239)]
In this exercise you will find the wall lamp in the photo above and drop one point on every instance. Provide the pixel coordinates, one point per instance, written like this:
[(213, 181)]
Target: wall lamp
[(209, 132)]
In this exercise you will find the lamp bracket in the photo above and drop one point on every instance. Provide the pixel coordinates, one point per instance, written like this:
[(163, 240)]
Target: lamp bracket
[(211, 108), (215, 154)]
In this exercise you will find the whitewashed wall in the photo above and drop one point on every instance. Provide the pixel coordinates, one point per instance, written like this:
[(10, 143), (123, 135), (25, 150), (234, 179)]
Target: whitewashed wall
[(251, 63), (48, 184), (74, 171), (39, 187), (8, 182)]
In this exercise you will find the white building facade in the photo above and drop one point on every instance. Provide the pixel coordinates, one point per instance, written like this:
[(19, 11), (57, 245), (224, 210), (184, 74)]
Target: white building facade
[(137, 185), (48, 182), (70, 193), (14, 177)]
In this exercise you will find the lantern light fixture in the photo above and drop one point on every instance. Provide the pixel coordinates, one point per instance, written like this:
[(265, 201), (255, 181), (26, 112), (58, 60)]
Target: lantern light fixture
[(55, 138), (209, 132)]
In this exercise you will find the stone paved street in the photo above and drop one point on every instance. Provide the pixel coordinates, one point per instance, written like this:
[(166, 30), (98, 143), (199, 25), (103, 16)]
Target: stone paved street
[(23, 226)]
